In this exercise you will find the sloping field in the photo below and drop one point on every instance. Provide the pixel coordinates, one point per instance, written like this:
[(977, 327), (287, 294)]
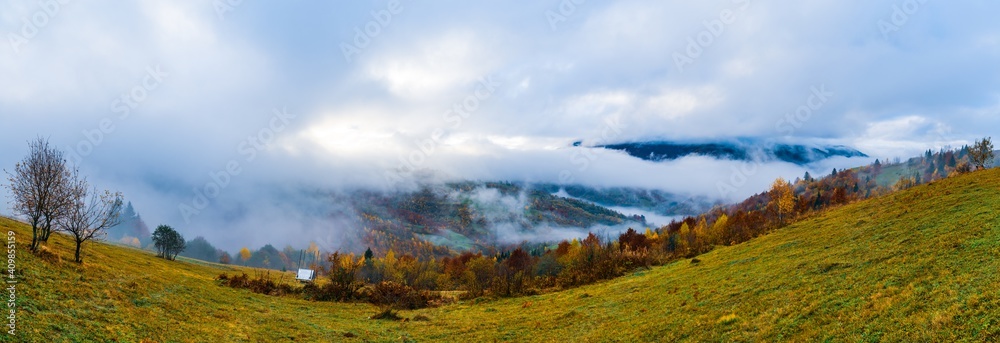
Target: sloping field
[(919, 265)]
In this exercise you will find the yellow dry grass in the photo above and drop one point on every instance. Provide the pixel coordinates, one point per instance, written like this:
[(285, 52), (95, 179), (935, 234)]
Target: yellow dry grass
[(919, 265)]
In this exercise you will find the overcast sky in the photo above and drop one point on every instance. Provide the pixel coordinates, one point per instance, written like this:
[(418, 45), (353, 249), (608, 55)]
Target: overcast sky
[(158, 98)]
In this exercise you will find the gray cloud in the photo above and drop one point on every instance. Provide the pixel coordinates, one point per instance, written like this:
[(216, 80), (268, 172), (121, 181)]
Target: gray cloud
[(929, 82)]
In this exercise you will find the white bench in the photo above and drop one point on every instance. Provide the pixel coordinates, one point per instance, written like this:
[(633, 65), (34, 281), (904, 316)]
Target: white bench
[(306, 275)]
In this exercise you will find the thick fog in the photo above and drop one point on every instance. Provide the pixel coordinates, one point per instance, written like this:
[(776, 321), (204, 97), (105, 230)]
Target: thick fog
[(237, 120)]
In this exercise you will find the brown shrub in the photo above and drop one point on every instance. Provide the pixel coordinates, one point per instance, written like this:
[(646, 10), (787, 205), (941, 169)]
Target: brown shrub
[(387, 314), (48, 255), (392, 295), (261, 284), (963, 168), (332, 291)]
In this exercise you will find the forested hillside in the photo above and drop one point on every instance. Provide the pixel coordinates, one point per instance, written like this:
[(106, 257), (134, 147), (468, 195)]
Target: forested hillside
[(917, 265)]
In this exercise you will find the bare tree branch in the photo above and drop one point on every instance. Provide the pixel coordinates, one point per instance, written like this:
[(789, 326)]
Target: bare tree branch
[(39, 188), (91, 213)]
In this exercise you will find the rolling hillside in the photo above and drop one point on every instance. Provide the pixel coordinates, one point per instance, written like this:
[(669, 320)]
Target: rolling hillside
[(891, 173), (918, 265)]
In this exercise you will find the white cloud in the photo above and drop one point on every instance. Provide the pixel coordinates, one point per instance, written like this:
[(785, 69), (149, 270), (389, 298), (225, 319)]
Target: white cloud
[(907, 136), (433, 66), (674, 104), (896, 128)]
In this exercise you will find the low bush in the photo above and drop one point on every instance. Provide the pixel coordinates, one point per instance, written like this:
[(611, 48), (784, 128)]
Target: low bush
[(387, 314), (330, 292), (48, 255), (261, 283), (392, 295)]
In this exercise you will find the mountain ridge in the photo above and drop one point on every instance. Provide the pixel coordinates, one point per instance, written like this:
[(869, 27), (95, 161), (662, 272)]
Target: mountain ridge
[(739, 150)]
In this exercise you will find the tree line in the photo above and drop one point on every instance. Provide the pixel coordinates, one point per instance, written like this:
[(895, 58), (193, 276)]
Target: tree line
[(413, 280)]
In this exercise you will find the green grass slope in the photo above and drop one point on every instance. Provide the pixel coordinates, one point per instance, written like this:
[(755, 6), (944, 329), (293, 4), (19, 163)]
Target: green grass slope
[(122, 294), (919, 265)]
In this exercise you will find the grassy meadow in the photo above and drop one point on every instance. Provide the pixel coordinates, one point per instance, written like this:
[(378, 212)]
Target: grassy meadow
[(917, 265)]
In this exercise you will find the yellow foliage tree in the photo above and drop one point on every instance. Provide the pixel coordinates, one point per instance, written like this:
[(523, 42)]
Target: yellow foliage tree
[(701, 239), (783, 196), (718, 229), (650, 234), (682, 240), (313, 251), (390, 258), (131, 241), (348, 261), (244, 255)]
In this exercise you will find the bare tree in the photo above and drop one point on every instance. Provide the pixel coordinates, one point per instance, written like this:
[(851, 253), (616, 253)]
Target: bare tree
[(59, 206), (91, 213), (40, 190), (981, 153)]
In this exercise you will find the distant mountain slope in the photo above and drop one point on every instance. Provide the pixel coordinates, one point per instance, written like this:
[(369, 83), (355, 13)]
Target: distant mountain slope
[(482, 216), (743, 150), (478, 216), (656, 201)]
